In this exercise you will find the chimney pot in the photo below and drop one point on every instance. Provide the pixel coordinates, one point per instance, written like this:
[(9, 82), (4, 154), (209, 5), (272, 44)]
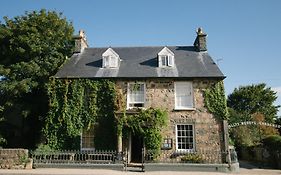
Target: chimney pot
[(200, 43)]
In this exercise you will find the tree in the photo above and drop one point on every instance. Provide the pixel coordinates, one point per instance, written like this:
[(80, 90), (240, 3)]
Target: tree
[(32, 48), (248, 100), (2, 140)]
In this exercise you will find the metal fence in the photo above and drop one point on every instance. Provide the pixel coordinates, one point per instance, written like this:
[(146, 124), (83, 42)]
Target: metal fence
[(90, 157), (74, 157), (200, 156)]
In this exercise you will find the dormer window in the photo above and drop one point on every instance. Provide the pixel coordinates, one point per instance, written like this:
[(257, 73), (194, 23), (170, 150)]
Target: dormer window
[(166, 58), (110, 59)]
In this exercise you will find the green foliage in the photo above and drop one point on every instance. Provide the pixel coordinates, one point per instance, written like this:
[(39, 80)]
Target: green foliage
[(272, 143), (236, 117), (273, 146), (252, 135), (2, 140), (248, 100), (245, 136), (33, 47), (251, 103), (147, 124), (77, 104), (192, 158), (23, 159), (43, 150), (215, 101)]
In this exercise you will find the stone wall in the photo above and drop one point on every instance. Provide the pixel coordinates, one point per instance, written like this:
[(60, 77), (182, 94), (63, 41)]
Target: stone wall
[(14, 159), (208, 130)]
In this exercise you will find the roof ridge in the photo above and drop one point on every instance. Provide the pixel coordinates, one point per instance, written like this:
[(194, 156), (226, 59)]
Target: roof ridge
[(138, 46)]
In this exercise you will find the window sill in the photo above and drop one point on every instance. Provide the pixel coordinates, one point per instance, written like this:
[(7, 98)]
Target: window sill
[(109, 67), (129, 108), (184, 109), (182, 152), (135, 109)]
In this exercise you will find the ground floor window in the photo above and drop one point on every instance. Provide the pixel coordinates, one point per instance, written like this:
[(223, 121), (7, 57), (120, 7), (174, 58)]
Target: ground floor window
[(87, 139), (185, 137)]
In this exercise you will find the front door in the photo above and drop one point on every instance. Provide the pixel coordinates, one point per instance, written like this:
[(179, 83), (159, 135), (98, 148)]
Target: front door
[(136, 148)]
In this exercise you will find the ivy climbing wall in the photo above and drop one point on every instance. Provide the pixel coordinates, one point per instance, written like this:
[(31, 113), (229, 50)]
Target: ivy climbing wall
[(77, 104)]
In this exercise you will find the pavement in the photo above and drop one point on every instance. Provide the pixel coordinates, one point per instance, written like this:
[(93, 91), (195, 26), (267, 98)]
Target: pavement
[(246, 168), (60, 171)]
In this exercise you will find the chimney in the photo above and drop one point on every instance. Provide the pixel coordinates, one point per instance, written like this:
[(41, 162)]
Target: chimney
[(200, 43), (80, 42)]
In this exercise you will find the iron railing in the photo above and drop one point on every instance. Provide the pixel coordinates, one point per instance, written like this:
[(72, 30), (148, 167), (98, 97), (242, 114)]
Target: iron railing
[(74, 157), (198, 156)]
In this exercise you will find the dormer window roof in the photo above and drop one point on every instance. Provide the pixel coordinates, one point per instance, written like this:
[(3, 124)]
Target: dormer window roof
[(166, 58), (110, 59)]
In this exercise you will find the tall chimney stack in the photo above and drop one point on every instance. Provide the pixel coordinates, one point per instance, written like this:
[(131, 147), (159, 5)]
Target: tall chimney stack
[(80, 42), (200, 42)]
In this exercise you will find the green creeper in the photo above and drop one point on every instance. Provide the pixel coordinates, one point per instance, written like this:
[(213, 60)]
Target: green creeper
[(215, 101)]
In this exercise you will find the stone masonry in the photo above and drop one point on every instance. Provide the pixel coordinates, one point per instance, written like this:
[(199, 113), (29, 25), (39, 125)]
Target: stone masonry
[(15, 159), (208, 133)]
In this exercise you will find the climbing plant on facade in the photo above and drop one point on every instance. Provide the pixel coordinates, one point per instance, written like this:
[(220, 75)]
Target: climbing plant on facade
[(215, 100), (148, 124), (77, 104)]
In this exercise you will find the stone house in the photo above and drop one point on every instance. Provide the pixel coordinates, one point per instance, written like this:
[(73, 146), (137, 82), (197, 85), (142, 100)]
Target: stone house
[(168, 77)]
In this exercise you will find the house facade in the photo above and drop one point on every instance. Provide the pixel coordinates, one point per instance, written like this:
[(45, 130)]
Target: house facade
[(173, 78)]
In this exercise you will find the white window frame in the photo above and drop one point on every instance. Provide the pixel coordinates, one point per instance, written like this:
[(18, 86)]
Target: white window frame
[(128, 95), (106, 61), (191, 96), (167, 59), (110, 61), (81, 142), (193, 138), (170, 60)]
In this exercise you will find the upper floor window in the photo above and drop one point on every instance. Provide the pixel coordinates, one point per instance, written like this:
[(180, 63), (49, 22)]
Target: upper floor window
[(183, 95), (110, 59), (135, 95), (166, 58)]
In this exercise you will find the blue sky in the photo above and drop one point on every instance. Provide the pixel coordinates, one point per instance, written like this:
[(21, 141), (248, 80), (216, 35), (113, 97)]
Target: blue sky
[(243, 36)]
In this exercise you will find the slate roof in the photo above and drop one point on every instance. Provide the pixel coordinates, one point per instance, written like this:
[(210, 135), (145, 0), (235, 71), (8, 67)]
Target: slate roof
[(141, 62)]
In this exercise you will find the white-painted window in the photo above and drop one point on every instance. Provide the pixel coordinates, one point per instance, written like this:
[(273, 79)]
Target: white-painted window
[(185, 137), (110, 62), (106, 60), (166, 58), (87, 139), (110, 59), (135, 95), (183, 95), (166, 61)]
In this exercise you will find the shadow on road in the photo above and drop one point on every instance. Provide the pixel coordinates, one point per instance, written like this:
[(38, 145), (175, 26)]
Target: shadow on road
[(253, 165)]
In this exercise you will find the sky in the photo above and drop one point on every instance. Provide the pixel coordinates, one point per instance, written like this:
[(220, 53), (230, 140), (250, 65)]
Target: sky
[(244, 36)]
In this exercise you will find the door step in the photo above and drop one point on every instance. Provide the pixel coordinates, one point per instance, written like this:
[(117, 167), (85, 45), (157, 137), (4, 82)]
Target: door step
[(135, 167)]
